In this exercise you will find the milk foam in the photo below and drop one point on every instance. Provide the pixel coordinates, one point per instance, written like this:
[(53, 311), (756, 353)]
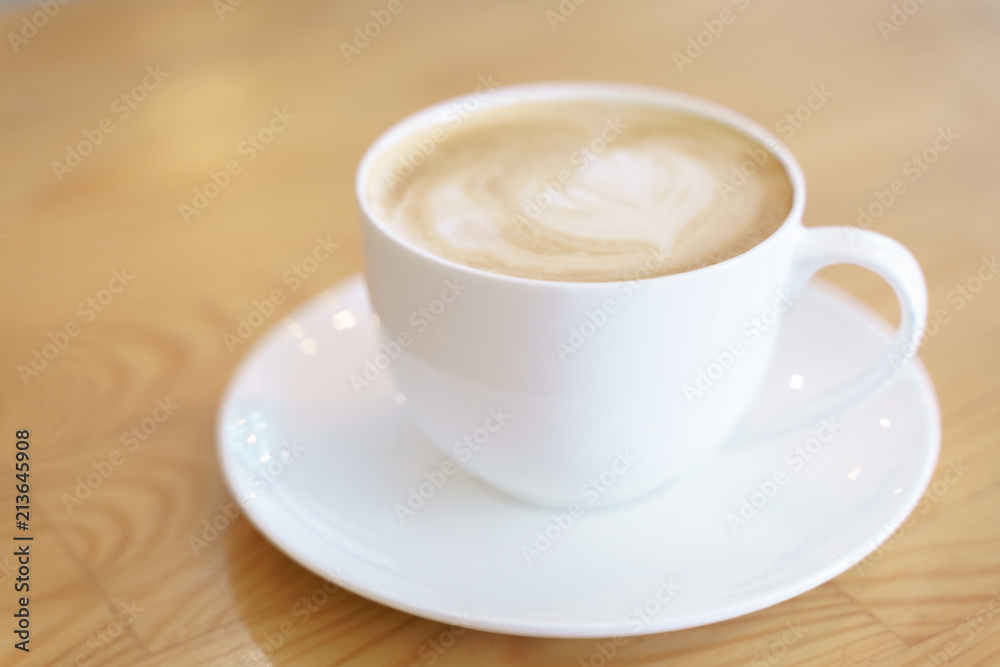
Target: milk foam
[(581, 191)]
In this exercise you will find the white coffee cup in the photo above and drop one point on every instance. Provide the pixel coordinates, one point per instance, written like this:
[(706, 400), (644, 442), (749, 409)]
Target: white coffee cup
[(476, 354)]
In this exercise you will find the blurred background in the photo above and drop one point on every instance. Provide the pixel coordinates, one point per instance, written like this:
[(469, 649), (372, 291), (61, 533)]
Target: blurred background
[(118, 222)]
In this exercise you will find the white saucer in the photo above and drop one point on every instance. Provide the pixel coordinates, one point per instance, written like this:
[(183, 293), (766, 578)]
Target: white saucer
[(668, 561)]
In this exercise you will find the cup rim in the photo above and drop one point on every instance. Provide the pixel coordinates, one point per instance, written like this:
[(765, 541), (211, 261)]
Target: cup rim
[(509, 95)]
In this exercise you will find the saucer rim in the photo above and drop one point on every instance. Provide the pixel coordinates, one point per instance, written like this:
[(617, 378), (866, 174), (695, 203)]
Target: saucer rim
[(512, 625)]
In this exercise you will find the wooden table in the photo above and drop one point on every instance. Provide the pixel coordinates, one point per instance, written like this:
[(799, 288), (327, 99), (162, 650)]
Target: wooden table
[(129, 293)]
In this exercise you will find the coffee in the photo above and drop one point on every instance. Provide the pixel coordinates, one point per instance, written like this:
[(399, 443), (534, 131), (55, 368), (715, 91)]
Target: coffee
[(581, 190)]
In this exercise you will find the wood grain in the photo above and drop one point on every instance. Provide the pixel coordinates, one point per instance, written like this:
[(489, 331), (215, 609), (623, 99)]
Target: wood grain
[(160, 338)]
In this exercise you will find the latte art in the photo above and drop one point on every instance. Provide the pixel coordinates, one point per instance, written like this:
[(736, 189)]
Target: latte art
[(581, 191), (648, 193)]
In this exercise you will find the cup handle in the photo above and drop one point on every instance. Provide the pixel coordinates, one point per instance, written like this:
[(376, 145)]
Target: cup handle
[(825, 246)]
